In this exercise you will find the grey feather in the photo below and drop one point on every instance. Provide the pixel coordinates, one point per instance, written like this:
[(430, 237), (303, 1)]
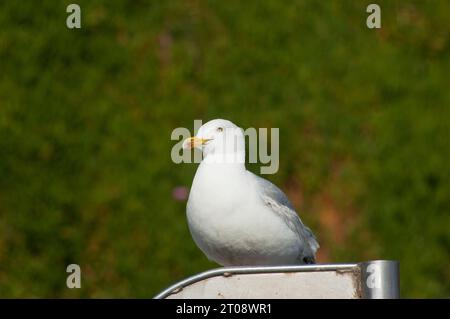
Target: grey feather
[(280, 205)]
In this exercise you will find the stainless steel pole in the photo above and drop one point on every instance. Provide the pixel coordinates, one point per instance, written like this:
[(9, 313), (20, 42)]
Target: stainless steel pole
[(380, 279)]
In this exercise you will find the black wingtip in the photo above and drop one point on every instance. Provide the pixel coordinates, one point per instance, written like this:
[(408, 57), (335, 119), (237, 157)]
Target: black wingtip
[(309, 260)]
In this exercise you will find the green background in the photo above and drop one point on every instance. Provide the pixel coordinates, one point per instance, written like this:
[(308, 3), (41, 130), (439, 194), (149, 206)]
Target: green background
[(86, 116)]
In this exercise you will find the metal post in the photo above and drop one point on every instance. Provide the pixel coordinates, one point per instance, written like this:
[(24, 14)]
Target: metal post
[(380, 279)]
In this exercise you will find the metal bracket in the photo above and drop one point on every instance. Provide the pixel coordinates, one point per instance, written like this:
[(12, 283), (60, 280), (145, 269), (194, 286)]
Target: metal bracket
[(372, 279)]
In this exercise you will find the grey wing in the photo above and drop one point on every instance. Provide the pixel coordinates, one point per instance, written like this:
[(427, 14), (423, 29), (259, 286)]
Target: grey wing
[(280, 205)]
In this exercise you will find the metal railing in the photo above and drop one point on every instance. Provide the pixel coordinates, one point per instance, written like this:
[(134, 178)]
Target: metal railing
[(372, 279)]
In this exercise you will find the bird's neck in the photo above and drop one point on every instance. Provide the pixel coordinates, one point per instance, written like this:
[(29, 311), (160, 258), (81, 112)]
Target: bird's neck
[(222, 166), (231, 160)]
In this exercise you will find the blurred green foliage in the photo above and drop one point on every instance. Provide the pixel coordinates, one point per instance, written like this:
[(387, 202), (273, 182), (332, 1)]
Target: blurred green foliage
[(86, 116)]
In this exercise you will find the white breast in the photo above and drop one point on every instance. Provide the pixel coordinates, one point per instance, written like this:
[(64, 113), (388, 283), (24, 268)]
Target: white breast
[(227, 225)]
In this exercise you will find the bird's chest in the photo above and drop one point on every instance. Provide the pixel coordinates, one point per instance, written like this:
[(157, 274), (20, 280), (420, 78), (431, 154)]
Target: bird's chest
[(217, 203), (216, 199), (218, 189)]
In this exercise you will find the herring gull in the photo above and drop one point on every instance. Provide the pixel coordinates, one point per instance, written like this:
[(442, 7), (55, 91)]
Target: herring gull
[(236, 217)]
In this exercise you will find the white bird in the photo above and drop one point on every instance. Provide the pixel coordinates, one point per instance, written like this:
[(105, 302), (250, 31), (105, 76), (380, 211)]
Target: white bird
[(236, 217)]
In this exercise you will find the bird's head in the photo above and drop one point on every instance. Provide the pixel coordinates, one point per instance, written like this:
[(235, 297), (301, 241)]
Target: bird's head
[(218, 137)]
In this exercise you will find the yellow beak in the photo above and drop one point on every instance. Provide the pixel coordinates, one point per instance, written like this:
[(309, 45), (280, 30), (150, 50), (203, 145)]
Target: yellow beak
[(193, 142)]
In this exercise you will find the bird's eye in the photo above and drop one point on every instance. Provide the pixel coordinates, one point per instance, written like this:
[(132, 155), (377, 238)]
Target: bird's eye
[(219, 129)]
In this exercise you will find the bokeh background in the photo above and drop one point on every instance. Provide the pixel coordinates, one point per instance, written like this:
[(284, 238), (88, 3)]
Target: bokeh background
[(86, 116)]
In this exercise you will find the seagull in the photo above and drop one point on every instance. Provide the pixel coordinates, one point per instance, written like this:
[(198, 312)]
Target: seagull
[(235, 217)]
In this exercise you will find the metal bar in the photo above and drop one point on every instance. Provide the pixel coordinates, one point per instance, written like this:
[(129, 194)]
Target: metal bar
[(228, 271)]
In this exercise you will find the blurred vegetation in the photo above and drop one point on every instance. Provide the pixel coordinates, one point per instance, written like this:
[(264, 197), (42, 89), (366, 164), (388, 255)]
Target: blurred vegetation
[(86, 117)]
